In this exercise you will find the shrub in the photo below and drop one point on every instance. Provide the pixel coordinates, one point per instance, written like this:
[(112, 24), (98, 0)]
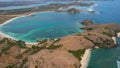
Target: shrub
[(89, 29), (107, 34), (78, 53)]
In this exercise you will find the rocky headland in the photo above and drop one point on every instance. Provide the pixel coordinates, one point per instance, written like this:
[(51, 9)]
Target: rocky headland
[(73, 11), (65, 52)]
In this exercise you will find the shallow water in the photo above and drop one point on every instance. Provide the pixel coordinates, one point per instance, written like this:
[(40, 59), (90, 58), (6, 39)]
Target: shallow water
[(58, 24), (55, 24), (43, 25), (105, 58)]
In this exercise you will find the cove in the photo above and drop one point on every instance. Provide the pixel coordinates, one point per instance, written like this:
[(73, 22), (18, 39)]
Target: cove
[(59, 24), (42, 25)]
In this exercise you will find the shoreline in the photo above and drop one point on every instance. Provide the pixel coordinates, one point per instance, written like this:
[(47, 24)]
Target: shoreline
[(85, 59), (3, 35)]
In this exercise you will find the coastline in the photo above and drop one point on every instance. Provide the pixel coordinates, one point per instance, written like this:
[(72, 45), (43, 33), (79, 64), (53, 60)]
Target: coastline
[(3, 35), (23, 15), (85, 59)]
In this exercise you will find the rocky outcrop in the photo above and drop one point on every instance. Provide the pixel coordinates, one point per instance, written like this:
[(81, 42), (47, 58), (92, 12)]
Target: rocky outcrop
[(65, 52), (94, 36), (73, 11), (87, 22)]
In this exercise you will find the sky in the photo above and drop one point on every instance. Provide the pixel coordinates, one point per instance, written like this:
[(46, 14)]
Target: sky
[(17, 0)]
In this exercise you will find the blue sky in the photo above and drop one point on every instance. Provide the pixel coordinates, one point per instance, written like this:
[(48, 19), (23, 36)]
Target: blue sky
[(17, 0)]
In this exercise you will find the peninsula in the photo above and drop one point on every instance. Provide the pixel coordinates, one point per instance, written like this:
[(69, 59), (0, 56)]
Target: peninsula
[(71, 51)]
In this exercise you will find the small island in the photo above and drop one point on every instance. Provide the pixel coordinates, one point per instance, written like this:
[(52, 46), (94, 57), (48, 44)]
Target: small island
[(73, 11)]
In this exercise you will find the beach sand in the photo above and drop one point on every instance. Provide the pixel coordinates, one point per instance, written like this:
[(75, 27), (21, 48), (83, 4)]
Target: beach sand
[(3, 35), (85, 59), (19, 16)]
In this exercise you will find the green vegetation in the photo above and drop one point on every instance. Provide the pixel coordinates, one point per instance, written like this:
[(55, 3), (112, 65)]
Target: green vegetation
[(89, 39), (78, 34), (56, 40), (78, 53), (96, 43), (99, 44), (117, 31), (43, 41), (23, 62), (107, 27), (89, 29), (107, 34), (36, 66), (3, 40), (73, 11), (54, 47), (36, 49), (6, 49), (8, 43), (20, 44), (10, 66), (75, 66)]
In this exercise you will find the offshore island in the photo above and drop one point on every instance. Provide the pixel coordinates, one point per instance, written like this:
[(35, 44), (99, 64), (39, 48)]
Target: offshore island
[(72, 51)]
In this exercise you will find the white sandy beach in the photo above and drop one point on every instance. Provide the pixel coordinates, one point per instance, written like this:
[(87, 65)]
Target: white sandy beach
[(3, 35), (8, 21), (118, 34), (7, 36), (85, 59)]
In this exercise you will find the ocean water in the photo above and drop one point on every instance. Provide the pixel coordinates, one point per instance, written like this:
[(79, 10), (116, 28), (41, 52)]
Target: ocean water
[(59, 24), (43, 25), (105, 58), (50, 25)]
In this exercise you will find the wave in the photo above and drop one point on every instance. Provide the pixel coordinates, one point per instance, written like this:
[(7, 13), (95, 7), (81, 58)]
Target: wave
[(91, 8), (118, 64)]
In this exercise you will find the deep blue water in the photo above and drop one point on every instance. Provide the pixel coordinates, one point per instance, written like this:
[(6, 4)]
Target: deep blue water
[(58, 24)]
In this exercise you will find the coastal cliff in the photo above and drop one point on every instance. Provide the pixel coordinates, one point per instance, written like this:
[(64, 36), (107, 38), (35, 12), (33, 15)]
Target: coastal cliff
[(65, 52)]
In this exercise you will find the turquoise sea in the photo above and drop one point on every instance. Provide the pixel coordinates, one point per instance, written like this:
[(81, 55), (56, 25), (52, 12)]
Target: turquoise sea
[(59, 24), (43, 25)]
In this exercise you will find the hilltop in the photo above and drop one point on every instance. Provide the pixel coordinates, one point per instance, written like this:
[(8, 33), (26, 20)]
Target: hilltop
[(64, 52)]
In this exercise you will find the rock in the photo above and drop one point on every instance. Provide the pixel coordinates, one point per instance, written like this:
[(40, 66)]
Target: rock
[(87, 22), (73, 11), (93, 12)]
